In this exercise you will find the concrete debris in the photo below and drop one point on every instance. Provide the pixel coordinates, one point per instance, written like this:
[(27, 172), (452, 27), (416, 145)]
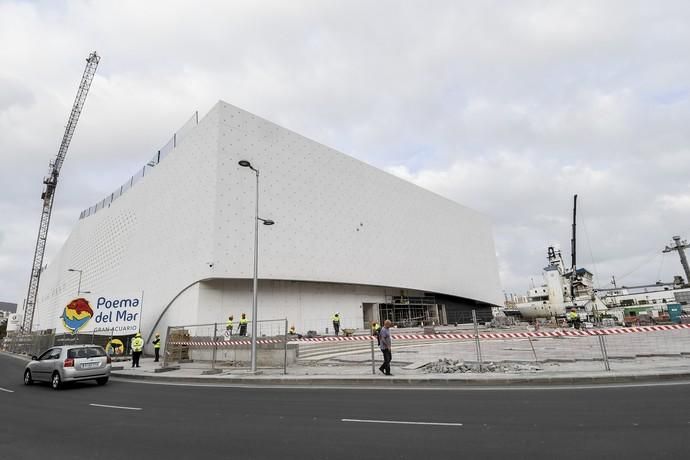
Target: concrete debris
[(451, 366), (502, 322)]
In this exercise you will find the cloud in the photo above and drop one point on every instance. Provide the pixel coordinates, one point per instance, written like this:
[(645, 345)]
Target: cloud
[(506, 108)]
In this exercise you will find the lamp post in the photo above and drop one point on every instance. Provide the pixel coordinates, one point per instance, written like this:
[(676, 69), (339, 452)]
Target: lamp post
[(79, 291), (246, 164)]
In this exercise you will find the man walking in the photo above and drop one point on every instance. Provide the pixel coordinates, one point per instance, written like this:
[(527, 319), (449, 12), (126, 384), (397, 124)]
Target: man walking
[(385, 345), (157, 346), (137, 347)]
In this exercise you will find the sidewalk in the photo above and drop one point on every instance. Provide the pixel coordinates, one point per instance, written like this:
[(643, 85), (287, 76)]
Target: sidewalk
[(566, 373), (644, 357)]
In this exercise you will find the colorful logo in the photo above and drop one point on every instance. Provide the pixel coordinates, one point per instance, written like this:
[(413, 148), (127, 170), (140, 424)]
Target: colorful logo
[(76, 315), (115, 347)]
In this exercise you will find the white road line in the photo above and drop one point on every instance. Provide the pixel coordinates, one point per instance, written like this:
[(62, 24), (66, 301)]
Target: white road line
[(6, 390), (115, 407), (398, 422)]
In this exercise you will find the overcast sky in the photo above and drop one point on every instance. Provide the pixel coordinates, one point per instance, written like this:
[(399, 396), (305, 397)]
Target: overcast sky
[(508, 108)]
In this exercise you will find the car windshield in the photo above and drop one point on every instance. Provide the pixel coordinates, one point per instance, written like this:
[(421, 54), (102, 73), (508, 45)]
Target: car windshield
[(86, 352)]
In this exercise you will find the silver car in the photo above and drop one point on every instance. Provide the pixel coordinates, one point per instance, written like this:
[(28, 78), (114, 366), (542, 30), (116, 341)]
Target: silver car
[(69, 363)]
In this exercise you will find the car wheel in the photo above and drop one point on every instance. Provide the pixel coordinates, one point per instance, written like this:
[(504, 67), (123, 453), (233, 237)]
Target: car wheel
[(27, 377), (56, 381), (102, 381)]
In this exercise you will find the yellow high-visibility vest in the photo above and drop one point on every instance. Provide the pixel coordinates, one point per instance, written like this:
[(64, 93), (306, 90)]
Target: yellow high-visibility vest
[(137, 344)]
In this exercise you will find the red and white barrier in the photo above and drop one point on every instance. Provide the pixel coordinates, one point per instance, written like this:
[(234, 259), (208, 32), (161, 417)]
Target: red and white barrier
[(483, 336), (220, 343)]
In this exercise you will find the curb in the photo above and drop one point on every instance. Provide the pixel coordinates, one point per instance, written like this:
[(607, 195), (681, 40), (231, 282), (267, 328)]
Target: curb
[(412, 382)]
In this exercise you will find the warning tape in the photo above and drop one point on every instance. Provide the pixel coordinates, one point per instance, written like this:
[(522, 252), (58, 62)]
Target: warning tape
[(512, 335), (484, 336), (221, 343)]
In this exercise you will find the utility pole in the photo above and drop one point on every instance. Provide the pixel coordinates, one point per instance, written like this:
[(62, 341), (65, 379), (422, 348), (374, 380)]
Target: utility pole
[(573, 269), (680, 247), (50, 183)]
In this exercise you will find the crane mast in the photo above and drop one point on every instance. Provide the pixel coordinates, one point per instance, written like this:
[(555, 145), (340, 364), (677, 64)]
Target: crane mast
[(50, 183), (681, 246)]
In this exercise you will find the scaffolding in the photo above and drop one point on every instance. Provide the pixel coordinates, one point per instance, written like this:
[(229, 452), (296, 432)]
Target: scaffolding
[(411, 311)]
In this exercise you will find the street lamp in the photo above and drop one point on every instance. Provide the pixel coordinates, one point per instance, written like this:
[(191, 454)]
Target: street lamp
[(246, 164), (79, 291)]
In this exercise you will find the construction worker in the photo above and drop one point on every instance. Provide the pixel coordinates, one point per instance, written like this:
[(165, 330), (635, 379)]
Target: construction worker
[(574, 318), (375, 330), (336, 323), (243, 324), (293, 332), (137, 347), (157, 346), (230, 324)]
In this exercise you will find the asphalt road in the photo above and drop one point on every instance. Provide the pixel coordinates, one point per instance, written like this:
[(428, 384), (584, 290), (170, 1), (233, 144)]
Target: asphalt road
[(193, 422)]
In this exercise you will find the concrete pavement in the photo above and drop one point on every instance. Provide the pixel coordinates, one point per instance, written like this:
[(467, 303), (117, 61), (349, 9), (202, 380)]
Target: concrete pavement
[(643, 357)]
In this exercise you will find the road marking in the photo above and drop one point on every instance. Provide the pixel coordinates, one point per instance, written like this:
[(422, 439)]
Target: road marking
[(6, 390), (398, 422), (115, 407)]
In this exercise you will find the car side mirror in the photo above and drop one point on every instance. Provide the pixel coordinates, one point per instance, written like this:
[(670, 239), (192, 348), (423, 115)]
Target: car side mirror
[(34, 358)]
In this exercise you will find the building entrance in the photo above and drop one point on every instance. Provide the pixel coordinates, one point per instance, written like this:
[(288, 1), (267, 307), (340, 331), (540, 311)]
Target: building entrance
[(412, 311)]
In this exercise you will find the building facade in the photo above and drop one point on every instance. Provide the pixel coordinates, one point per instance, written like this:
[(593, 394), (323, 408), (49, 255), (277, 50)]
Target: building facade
[(348, 238)]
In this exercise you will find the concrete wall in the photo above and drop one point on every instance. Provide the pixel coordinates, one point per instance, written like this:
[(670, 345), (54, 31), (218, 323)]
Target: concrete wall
[(266, 355)]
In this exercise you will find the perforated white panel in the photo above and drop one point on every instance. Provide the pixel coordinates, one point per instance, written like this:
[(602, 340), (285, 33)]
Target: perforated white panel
[(339, 222)]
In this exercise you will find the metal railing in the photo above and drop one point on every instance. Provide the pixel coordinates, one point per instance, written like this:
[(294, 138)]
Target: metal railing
[(513, 350), (37, 342), (160, 154), (215, 349)]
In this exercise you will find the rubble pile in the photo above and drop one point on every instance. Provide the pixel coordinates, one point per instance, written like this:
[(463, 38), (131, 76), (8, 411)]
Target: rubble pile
[(452, 366), (502, 322)]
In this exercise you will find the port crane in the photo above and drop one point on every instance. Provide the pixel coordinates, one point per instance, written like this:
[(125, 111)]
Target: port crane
[(680, 246), (50, 183)]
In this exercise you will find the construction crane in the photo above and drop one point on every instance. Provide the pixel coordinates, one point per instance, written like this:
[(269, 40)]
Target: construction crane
[(50, 183), (680, 246)]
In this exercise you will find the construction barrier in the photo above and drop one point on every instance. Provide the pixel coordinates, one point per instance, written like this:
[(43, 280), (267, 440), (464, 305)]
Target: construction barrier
[(507, 335), (205, 346), (220, 343), (214, 346)]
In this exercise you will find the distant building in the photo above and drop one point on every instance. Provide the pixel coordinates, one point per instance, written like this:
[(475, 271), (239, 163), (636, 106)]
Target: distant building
[(348, 238), (8, 307)]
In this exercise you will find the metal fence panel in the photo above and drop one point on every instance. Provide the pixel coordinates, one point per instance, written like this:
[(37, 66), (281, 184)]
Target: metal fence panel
[(214, 348)]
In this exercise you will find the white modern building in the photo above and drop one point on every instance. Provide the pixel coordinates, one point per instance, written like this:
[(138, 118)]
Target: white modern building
[(179, 238)]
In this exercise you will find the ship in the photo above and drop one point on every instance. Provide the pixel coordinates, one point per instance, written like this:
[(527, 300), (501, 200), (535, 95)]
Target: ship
[(563, 289), (568, 288)]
